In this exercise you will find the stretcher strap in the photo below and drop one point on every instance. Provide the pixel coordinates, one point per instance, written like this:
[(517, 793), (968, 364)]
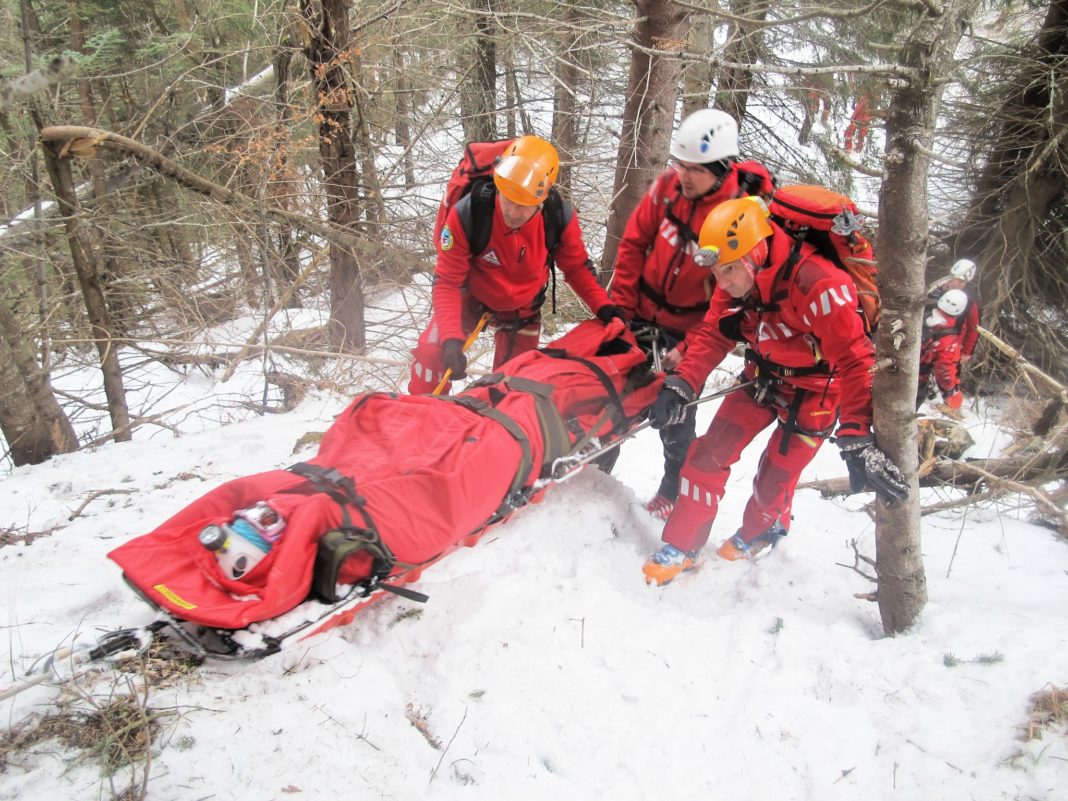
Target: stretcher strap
[(342, 489), (526, 459)]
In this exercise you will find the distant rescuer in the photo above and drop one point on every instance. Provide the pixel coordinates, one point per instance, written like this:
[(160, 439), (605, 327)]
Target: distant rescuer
[(655, 280), (940, 349), (960, 276), (811, 360), (508, 278)]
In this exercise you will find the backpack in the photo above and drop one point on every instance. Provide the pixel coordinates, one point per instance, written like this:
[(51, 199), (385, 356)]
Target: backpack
[(831, 223), (473, 177)]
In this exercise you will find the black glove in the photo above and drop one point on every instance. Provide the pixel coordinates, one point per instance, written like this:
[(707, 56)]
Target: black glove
[(608, 311), (452, 351), (869, 466), (669, 408)]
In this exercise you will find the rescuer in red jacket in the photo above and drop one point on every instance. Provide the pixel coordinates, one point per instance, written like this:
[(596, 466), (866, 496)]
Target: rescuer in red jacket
[(960, 275), (940, 349), (509, 277), (810, 357), (655, 280)]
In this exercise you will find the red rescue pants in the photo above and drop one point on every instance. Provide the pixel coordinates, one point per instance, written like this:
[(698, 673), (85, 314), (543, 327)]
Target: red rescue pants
[(516, 332), (708, 464)]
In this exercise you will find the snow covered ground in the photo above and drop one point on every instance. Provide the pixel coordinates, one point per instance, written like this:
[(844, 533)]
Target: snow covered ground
[(543, 667)]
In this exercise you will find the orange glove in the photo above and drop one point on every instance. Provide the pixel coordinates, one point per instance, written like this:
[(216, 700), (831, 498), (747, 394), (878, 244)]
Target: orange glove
[(955, 399)]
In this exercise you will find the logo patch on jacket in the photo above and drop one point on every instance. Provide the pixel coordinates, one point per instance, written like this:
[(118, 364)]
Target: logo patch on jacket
[(490, 257), (446, 238)]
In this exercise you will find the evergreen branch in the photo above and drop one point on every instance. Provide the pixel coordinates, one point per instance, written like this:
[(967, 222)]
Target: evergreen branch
[(83, 141)]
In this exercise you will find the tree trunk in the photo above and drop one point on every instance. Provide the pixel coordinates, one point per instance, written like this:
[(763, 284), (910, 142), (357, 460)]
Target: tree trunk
[(376, 207), (95, 306), (902, 244), (181, 266), (564, 98), (31, 419), (479, 95), (743, 47), (403, 99), (244, 251), (648, 113), (326, 47), (509, 101), (697, 76), (525, 124), (120, 303), (281, 187)]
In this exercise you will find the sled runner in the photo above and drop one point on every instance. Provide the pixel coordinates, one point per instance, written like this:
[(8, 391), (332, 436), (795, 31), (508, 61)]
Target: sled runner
[(399, 481)]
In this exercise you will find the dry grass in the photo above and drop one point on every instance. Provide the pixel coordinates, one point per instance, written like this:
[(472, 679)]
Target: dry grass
[(115, 730), (420, 721), (11, 536), (115, 733), (162, 664), (1049, 708)]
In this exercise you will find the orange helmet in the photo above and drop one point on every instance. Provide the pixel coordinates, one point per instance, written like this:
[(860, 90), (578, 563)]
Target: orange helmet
[(527, 170), (731, 230)]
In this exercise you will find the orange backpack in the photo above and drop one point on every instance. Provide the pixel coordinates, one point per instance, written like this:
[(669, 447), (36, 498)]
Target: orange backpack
[(831, 222)]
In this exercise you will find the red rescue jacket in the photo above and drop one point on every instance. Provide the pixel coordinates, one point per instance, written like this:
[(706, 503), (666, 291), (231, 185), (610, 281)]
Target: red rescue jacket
[(655, 275), (967, 323), (814, 326), (511, 273), (940, 354)]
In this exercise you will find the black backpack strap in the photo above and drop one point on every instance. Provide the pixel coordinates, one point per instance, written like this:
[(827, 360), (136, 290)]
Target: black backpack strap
[(786, 272), (475, 210), (686, 233), (780, 287), (942, 333), (647, 290), (686, 237), (748, 182), (556, 215)]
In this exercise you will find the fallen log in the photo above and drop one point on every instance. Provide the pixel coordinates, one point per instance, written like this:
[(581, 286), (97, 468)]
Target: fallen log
[(1053, 386), (1043, 467)]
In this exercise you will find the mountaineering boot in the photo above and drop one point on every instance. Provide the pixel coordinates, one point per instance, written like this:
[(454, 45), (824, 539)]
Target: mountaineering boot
[(737, 548), (660, 507), (668, 563)]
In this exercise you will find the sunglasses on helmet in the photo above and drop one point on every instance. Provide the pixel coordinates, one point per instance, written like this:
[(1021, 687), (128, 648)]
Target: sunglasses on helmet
[(706, 257)]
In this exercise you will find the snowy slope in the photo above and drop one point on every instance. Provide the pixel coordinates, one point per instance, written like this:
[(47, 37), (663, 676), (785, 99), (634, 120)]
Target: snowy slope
[(544, 667)]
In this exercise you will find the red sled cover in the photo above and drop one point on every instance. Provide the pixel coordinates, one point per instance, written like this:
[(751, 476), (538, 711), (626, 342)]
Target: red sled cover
[(432, 471)]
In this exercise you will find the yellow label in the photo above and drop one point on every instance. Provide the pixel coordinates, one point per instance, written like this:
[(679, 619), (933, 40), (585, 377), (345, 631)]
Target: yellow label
[(172, 596)]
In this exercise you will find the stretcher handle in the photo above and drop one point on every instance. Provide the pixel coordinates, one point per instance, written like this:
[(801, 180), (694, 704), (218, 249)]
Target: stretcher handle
[(467, 344)]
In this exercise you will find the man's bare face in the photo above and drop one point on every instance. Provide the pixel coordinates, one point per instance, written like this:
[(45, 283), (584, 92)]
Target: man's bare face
[(736, 277), (515, 215), (696, 179)]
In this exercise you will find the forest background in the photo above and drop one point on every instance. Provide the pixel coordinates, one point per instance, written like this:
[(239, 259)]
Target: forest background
[(169, 165)]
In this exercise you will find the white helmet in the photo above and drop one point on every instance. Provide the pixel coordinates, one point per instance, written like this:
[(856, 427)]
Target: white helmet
[(964, 269), (705, 136), (953, 302)]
